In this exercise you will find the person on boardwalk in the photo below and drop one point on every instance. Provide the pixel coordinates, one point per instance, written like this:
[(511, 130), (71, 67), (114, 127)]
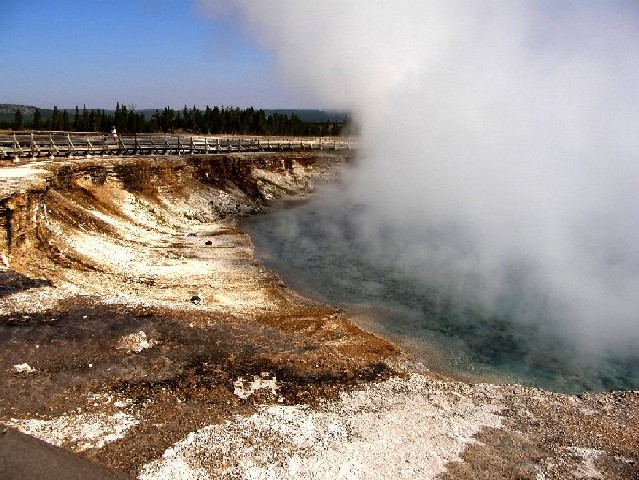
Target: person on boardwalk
[(114, 134)]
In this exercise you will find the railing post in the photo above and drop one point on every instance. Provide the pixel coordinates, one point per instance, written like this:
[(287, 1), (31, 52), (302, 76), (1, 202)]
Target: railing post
[(217, 145), (34, 148), (17, 149), (192, 146), (54, 146), (206, 145), (89, 147), (70, 146)]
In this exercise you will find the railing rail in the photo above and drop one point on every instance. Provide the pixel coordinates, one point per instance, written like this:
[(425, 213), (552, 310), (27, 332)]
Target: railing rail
[(52, 145)]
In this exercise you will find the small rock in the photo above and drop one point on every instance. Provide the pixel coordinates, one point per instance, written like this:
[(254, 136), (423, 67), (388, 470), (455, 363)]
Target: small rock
[(244, 388), (135, 342), (196, 299), (208, 242), (4, 259), (23, 368)]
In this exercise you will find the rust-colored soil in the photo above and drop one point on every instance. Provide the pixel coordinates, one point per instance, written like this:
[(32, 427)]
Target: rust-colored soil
[(134, 318)]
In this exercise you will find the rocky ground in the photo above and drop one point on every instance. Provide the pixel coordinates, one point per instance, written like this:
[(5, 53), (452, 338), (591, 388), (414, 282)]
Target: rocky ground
[(137, 330)]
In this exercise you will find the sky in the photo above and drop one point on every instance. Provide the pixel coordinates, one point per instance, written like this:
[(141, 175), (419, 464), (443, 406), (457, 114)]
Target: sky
[(141, 53)]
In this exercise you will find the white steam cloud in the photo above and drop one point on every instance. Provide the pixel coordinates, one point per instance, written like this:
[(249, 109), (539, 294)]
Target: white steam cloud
[(499, 144)]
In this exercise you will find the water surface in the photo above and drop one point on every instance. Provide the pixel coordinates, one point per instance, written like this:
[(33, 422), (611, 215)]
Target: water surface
[(318, 249)]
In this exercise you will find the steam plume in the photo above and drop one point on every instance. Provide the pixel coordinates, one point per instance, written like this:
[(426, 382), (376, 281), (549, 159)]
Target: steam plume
[(499, 152)]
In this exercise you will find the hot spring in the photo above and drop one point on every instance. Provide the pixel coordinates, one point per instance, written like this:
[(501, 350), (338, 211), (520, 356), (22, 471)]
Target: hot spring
[(318, 248)]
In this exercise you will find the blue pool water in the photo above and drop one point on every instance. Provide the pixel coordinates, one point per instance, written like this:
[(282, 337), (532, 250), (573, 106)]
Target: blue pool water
[(315, 248)]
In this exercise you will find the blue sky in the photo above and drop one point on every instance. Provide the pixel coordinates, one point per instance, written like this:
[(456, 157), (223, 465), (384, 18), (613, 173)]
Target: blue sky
[(144, 53)]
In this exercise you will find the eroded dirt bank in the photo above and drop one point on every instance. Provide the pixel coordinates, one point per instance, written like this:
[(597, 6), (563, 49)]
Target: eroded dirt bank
[(137, 329)]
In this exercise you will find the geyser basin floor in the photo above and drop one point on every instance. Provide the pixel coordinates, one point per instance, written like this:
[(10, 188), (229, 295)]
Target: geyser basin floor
[(131, 246)]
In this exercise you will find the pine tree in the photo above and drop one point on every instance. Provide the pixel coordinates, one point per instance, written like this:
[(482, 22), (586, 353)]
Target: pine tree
[(18, 122), (37, 120), (55, 119), (92, 122), (76, 120), (64, 123), (84, 119)]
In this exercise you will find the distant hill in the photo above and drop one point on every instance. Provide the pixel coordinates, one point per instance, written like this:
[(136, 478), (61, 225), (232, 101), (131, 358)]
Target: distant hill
[(8, 111)]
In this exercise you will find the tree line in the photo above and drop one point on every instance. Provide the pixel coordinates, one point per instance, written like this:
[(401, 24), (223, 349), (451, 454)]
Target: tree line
[(216, 120)]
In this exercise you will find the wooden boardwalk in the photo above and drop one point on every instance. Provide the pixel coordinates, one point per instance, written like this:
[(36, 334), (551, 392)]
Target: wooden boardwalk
[(61, 144)]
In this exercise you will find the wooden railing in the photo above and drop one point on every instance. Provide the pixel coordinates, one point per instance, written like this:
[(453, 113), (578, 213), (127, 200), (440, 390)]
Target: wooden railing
[(60, 144)]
